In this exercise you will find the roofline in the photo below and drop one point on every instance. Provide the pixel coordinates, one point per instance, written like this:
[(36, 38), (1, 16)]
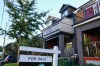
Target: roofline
[(84, 4), (67, 7)]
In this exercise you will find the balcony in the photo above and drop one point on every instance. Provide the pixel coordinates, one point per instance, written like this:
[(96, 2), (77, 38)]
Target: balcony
[(89, 13), (64, 25)]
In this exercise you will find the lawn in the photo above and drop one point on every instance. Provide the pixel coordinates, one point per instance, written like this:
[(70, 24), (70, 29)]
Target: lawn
[(11, 64)]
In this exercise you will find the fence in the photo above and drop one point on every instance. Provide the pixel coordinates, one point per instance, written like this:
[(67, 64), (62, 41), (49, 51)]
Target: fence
[(68, 52)]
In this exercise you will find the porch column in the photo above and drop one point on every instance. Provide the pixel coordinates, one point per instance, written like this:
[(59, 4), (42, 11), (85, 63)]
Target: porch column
[(45, 46), (74, 44), (61, 44), (79, 42)]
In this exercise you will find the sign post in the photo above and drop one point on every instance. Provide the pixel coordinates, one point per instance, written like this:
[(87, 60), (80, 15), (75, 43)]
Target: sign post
[(55, 57), (32, 58)]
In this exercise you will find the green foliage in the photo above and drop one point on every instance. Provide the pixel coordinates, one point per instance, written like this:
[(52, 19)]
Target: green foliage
[(67, 62), (25, 20), (90, 65), (2, 31), (0, 48), (32, 42), (87, 40), (11, 49), (11, 64)]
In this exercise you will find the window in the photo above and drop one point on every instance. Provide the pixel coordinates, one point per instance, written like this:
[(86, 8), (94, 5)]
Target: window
[(65, 14)]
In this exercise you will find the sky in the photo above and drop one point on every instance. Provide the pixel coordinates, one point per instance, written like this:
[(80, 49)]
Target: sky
[(43, 5)]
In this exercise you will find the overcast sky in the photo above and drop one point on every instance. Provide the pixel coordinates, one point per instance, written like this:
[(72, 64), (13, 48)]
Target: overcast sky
[(42, 5)]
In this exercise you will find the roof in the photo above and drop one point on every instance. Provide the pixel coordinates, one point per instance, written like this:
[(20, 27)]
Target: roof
[(52, 18), (65, 6), (85, 3)]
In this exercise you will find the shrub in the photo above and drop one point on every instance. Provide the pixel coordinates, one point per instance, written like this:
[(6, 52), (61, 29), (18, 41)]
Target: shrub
[(89, 65), (11, 64)]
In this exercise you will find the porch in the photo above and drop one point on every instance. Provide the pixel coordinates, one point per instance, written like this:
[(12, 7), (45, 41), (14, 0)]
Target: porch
[(92, 42), (60, 33), (62, 25), (91, 46), (92, 49), (64, 43)]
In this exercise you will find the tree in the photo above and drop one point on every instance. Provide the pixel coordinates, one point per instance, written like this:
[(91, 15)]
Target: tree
[(25, 19), (33, 42), (11, 49), (2, 31), (0, 48)]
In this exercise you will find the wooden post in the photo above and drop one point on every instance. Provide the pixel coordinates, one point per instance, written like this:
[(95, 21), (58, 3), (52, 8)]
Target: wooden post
[(55, 57)]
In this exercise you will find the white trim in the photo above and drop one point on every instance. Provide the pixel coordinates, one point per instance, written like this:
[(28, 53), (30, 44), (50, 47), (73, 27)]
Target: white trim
[(87, 21), (93, 62), (89, 7), (95, 8), (99, 5), (32, 49)]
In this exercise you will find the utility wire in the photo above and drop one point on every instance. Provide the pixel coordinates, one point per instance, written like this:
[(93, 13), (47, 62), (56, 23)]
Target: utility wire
[(2, 15), (5, 32)]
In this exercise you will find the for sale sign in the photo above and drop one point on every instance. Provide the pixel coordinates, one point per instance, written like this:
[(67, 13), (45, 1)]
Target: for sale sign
[(32, 58)]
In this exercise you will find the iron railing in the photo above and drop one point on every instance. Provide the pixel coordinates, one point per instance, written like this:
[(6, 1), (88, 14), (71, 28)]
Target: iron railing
[(96, 11)]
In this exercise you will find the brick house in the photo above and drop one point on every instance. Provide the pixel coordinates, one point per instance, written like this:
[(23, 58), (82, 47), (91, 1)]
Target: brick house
[(87, 32)]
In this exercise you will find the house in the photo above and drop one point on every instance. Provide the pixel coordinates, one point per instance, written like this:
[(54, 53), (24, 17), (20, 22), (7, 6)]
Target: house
[(60, 32), (87, 32)]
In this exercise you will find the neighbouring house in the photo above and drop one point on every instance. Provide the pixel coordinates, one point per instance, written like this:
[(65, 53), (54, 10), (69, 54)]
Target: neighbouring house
[(60, 32), (87, 32)]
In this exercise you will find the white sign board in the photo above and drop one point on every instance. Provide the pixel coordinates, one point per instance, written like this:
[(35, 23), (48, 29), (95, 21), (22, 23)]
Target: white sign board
[(32, 58)]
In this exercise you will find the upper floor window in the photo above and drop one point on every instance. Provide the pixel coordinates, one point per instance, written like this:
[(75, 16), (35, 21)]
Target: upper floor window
[(64, 14), (88, 12)]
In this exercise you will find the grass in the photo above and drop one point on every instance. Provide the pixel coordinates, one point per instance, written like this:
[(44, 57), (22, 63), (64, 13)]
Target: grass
[(11, 64)]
